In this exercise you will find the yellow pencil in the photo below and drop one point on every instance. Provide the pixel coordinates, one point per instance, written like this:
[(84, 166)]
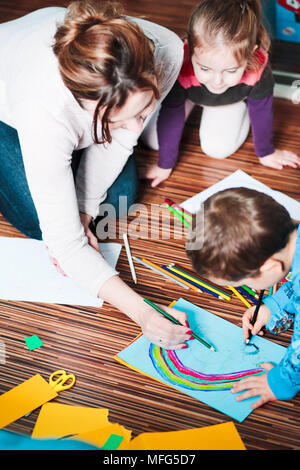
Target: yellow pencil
[(204, 284), (239, 296), (171, 275)]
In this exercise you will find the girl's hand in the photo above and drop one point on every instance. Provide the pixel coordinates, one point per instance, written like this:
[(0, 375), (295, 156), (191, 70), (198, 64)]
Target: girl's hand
[(262, 319), (281, 158), (163, 332), (256, 385), (155, 173)]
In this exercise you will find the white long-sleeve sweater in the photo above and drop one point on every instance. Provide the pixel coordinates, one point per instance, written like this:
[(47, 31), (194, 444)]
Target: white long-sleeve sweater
[(51, 125)]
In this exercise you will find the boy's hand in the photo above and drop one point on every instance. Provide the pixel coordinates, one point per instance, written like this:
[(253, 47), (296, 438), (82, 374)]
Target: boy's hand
[(262, 319), (155, 173), (281, 158), (256, 385)]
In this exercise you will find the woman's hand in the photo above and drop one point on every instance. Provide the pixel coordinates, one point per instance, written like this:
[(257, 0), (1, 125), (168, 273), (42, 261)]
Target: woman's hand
[(281, 158), (155, 173), (262, 319), (255, 386), (86, 220), (92, 239), (163, 332), (155, 326)]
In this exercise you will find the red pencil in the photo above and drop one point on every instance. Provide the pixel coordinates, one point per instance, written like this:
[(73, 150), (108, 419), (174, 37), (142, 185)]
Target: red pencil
[(176, 206)]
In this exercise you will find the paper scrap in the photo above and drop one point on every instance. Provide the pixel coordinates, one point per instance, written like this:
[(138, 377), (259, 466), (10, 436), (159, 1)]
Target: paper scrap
[(222, 436), (33, 342), (58, 420), (24, 398)]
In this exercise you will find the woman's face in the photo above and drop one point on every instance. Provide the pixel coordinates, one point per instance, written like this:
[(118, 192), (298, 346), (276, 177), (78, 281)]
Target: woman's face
[(132, 115)]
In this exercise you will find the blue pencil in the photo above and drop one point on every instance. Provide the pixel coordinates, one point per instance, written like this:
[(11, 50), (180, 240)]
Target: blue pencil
[(246, 294), (193, 283)]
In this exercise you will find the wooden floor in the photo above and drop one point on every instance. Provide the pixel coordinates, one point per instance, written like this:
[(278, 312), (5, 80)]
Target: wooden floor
[(84, 340)]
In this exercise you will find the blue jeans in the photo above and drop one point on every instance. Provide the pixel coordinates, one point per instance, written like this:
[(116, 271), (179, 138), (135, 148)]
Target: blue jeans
[(16, 203)]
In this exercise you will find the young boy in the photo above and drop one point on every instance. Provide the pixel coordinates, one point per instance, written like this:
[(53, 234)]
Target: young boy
[(247, 238)]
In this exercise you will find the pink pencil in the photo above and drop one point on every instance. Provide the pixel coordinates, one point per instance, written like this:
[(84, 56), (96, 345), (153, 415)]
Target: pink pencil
[(176, 206)]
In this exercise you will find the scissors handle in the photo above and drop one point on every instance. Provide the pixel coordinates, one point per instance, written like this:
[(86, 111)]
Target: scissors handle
[(60, 383)]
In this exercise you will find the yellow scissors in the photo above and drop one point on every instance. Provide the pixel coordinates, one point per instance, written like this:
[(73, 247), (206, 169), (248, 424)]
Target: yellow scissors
[(60, 383)]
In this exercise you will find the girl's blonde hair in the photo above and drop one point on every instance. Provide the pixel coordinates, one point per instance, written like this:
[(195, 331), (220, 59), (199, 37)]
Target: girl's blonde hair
[(233, 23), (103, 56)]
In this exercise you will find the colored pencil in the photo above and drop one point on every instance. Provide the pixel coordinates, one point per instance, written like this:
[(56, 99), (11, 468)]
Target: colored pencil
[(240, 296), (177, 322), (181, 284), (128, 252), (255, 314), (172, 275), (251, 292), (176, 213), (200, 282), (183, 212), (270, 291), (203, 289), (173, 204), (246, 294)]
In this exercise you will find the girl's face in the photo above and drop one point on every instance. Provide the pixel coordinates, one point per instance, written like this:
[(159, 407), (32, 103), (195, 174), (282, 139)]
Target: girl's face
[(217, 68)]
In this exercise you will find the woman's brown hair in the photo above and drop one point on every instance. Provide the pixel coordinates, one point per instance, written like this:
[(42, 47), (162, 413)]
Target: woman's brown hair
[(241, 229), (103, 56), (235, 23)]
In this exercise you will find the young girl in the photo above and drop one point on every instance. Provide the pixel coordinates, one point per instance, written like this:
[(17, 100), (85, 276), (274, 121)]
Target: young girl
[(85, 78), (226, 71)]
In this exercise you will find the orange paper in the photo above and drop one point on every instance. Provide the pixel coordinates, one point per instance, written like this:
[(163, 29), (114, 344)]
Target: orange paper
[(98, 437), (24, 398), (218, 437), (58, 420)]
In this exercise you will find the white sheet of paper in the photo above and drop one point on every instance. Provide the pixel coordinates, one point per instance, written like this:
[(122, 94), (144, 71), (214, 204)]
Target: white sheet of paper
[(27, 274), (241, 179)]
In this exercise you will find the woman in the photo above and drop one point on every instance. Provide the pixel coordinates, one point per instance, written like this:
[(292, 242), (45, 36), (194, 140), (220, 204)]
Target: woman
[(82, 78)]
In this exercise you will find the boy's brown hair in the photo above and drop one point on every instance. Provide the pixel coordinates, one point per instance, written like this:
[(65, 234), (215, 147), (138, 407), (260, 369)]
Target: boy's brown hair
[(242, 229)]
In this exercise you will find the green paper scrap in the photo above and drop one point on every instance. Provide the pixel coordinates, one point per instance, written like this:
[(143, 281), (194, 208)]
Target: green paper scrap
[(112, 442), (33, 342)]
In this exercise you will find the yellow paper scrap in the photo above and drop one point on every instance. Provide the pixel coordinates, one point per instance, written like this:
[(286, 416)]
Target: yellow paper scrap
[(218, 437), (58, 420), (24, 398), (98, 437)]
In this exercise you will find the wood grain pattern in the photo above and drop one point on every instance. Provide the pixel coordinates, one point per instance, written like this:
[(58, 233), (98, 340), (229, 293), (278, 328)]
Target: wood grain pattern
[(84, 340)]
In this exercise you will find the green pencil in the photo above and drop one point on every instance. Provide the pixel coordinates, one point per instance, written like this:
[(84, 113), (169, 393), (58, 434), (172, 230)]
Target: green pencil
[(250, 291), (176, 213), (174, 320)]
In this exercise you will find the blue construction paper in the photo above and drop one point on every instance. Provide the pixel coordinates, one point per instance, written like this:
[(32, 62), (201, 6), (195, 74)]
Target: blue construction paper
[(232, 355)]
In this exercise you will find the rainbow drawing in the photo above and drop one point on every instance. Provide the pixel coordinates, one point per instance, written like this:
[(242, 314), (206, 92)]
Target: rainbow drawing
[(168, 366)]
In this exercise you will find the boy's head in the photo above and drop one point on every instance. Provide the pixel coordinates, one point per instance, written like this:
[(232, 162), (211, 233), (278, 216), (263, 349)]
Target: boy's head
[(242, 232)]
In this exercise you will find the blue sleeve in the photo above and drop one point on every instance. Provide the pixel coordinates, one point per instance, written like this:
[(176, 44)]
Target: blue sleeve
[(284, 378)]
